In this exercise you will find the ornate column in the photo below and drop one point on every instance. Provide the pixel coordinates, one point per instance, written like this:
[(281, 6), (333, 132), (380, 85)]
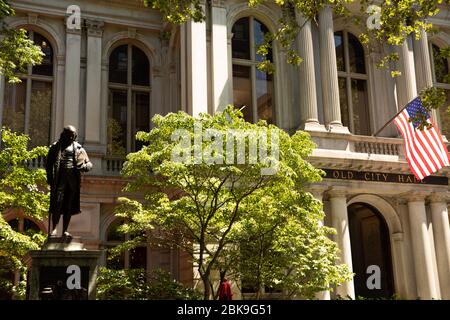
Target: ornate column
[(93, 81), (219, 55), (307, 77), (409, 276), (196, 71), (339, 218), (441, 229), (407, 88), (317, 192), (72, 78), (422, 251), (328, 72), (422, 64)]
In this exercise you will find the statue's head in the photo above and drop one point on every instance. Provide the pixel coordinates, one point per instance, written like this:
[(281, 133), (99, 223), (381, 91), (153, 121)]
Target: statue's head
[(69, 134)]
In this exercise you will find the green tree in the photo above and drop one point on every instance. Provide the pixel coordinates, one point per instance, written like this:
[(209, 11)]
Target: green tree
[(23, 188), (279, 246), (16, 50), (208, 208)]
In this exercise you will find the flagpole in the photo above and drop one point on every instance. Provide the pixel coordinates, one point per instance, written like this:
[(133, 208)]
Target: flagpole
[(387, 123)]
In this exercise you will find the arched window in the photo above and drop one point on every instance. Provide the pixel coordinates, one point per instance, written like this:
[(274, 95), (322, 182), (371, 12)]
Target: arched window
[(352, 75), (27, 105), (129, 99), (441, 78), (252, 88), (24, 225), (130, 259)]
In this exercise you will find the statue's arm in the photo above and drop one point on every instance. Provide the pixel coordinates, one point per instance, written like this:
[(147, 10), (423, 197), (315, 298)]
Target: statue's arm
[(85, 164)]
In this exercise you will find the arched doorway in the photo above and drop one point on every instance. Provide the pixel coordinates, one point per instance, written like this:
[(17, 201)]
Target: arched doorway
[(369, 237)]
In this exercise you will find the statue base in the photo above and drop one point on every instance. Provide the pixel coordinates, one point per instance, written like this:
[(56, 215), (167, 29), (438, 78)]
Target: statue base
[(62, 270)]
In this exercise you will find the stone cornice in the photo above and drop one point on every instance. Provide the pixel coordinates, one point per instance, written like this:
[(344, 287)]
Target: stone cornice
[(58, 11)]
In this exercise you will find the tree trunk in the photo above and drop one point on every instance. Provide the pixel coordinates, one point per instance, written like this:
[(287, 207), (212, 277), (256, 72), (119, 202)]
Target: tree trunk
[(207, 287)]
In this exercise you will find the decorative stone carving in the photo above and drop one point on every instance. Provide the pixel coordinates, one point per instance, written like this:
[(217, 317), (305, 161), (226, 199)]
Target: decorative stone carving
[(438, 197), (94, 28), (32, 18)]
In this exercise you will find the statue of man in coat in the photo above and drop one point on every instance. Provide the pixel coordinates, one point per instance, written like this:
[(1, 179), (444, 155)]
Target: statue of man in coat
[(65, 161)]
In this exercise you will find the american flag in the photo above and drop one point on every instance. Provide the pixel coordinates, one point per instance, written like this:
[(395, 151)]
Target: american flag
[(426, 152)]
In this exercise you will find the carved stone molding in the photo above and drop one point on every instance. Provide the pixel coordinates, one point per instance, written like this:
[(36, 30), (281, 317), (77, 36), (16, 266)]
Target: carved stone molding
[(337, 192), (218, 3), (94, 28), (317, 191), (438, 197), (32, 18), (414, 196), (132, 33)]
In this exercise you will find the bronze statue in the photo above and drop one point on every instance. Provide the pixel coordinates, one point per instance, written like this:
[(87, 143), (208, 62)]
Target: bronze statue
[(65, 161)]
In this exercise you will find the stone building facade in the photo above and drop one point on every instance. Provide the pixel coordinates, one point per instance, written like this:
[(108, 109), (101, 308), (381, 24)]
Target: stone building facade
[(126, 64)]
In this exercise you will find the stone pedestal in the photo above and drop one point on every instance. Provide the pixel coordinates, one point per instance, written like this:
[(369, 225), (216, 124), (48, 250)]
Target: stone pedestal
[(62, 270)]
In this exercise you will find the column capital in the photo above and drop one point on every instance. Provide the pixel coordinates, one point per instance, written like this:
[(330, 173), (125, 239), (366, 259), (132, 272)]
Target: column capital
[(317, 191), (401, 201), (94, 27), (415, 196), (438, 197), (337, 192), (218, 3)]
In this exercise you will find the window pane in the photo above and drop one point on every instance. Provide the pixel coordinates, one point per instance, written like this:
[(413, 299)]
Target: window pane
[(343, 101), (118, 65), (46, 67), (339, 44), (40, 113), (440, 66), (117, 123), (356, 55), (138, 258), (264, 95), (241, 39), (259, 31), (141, 116), (242, 91), (141, 69), (445, 117), (14, 107), (361, 122)]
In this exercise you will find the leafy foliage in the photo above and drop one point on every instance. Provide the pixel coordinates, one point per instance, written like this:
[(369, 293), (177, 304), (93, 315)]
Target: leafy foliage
[(16, 50), (21, 188), (209, 209), (136, 284)]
